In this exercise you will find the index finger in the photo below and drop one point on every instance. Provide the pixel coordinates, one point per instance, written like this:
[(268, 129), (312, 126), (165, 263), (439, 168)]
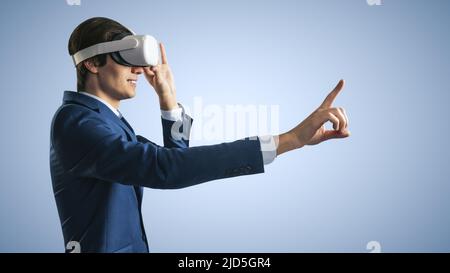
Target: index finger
[(163, 53), (330, 98)]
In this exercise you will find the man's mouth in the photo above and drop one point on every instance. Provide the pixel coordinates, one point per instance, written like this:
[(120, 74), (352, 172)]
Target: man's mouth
[(132, 82)]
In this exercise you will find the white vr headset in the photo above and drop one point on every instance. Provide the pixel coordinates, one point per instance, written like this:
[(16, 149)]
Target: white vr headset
[(126, 49)]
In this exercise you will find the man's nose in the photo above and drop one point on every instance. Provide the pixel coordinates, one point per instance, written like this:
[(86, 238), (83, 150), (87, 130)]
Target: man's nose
[(137, 70)]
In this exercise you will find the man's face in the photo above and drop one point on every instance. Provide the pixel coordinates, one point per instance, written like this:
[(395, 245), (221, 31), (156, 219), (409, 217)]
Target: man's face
[(117, 80)]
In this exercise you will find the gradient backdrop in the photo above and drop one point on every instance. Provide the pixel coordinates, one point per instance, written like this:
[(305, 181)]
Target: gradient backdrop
[(388, 182)]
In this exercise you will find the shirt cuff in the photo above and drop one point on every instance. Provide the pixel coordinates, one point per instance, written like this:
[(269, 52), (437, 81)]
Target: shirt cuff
[(268, 148), (174, 114)]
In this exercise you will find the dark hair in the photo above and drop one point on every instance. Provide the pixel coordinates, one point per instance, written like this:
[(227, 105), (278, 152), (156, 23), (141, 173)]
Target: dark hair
[(90, 32)]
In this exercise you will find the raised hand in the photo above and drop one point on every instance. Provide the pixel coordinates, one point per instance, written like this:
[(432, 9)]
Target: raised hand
[(161, 79), (312, 131)]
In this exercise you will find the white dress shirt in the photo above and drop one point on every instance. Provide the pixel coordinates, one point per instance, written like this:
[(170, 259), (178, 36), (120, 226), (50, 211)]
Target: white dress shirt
[(267, 143)]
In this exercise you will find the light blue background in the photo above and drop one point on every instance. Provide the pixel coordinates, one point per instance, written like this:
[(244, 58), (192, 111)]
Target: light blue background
[(388, 182)]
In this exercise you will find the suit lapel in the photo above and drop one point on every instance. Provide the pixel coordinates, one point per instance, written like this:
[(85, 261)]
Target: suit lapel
[(111, 116), (129, 130)]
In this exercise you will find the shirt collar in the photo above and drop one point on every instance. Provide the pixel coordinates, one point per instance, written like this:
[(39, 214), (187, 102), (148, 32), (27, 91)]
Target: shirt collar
[(115, 111)]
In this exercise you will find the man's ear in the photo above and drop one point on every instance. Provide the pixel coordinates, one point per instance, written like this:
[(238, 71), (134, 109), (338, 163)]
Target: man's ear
[(90, 65)]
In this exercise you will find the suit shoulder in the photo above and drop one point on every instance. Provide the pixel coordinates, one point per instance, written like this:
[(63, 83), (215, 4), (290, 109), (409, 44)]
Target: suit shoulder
[(75, 131), (74, 119), (75, 115), (68, 112)]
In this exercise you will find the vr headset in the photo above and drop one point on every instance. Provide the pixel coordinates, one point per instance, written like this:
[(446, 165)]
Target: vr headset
[(126, 49)]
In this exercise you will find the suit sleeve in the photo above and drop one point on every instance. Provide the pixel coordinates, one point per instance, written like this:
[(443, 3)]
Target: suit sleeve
[(88, 147), (176, 133), (176, 126)]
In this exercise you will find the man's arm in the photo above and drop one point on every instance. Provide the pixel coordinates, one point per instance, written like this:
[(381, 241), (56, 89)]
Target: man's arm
[(88, 148)]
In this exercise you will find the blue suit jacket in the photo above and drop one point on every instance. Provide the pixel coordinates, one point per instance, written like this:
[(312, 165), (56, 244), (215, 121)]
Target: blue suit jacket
[(99, 166)]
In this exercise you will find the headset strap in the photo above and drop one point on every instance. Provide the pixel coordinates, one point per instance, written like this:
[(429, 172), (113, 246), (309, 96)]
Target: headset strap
[(102, 48)]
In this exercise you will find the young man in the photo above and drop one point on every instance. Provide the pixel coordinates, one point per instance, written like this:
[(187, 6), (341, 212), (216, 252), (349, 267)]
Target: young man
[(99, 166)]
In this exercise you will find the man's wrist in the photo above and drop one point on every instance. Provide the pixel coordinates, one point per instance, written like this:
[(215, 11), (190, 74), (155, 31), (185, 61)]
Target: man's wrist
[(167, 104), (174, 114), (287, 142)]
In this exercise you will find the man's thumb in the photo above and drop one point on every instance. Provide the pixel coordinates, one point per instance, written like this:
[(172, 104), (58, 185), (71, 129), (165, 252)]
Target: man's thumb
[(329, 134)]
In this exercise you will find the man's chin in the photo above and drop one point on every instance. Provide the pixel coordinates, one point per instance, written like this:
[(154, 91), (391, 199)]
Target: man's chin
[(129, 95), (132, 95)]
